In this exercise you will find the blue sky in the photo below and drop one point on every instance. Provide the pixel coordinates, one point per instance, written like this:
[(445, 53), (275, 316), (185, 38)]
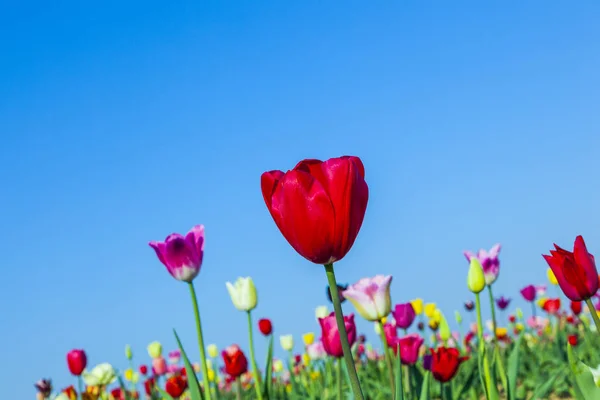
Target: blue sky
[(123, 122)]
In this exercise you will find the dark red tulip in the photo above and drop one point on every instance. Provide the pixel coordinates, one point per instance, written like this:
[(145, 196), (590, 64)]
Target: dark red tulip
[(445, 363), (575, 271), (318, 206), (469, 306), (529, 293), (77, 361), (571, 320), (176, 385), (576, 307), (235, 361), (573, 340), (552, 306), (265, 327), (143, 369)]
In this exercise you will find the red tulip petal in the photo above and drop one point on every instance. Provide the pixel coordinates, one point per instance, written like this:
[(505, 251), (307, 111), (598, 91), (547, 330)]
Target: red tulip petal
[(587, 267), (268, 183), (564, 276)]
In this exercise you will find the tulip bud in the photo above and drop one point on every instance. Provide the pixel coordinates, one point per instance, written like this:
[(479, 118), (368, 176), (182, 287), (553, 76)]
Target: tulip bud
[(444, 329), (128, 374), (287, 342), (458, 317), (212, 350), (155, 349), (243, 294), (417, 305), (308, 338), (475, 277), (519, 313), (128, 352)]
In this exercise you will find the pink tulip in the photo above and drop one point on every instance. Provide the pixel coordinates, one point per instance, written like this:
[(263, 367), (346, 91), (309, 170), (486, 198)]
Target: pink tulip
[(489, 262), (331, 337), (371, 297), (174, 356), (159, 366), (182, 255), (316, 350), (391, 333)]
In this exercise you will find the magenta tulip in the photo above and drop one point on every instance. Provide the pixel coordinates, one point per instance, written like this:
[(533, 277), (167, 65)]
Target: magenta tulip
[(391, 332), (409, 346), (182, 255), (404, 314), (330, 335), (529, 293)]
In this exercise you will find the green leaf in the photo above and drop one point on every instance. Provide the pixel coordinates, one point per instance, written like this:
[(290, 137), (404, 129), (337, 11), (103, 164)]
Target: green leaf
[(499, 365), (122, 386), (514, 360), (542, 391), (425, 387), (193, 384), (268, 371), (468, 382), (399, 395), (584, 380), (165, 395)]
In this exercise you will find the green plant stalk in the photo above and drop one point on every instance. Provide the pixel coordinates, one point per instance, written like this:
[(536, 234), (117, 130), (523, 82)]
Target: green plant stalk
[(133, 385), (386, 353), (340, 393), (486, 364), (79, 387), (203, 365), (238, 388), (339, 317), (493, 307), (594, 314), (257, 380)]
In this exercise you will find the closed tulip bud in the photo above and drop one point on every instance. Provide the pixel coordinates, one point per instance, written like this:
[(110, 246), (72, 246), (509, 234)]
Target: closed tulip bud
[(519, 327), (430, 309), (182, 255), (243, 294), (321, 312), (377, 328), (458, 317), (475, 277), (128, 352), (308, 338), (519, 313), (155, 349), (417, 305), (212, 350), (211, 375), (287, 342), (444, 329), (76, 361)]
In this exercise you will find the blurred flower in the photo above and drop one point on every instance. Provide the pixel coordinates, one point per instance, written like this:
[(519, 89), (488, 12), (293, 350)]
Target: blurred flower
[(212, 350), (445, 363), (430, 309), (409, 346), (502, 302), (519, 313), (175, 386), (576, 307), (501, 333), (308, 338), (243, 294), (475, 277), (149, 386), (277, 365), (537, 322), (420, 326), (575, 271), (182, 255), (529, 293), (330, 335), (265, 326), (159, 366), (445, 332), (391, 333), (316, 350), (433, 324), (417, 306), (128, 352), (552, 306), (371, 297), (69, 393), (551, 277), (305, 359), (155, 349), (519, 327), (404, 315), (143, 369), (572, 339), (458, 317), (44, 387), (340, 288), (541, 302), (235, 361), (174, 356), (211, 375), (101, 375), (128, 374), (489, 262), (287, 342), (322, 311), (318, 206), (469, 306), (76, 361)]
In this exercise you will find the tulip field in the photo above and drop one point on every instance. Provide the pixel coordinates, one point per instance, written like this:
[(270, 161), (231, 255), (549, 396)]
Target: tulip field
[(550, 350)]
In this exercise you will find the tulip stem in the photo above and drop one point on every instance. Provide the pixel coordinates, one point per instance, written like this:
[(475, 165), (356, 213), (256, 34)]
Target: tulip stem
[(494, 323), (339, 317), (203, 364), (80, 386), (594, 314), (340, 394), (386, 353), (238, 388), (257, 385), (487, 383)]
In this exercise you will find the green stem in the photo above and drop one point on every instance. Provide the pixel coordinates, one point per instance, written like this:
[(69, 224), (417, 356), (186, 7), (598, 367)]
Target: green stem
[(257, 379), (493, 305), (80, 387), (486, 364), (386, 353), (203, 365), (133, 385), (340, 394), (407, 377), (339, 317), (594, 314), (238, 388)]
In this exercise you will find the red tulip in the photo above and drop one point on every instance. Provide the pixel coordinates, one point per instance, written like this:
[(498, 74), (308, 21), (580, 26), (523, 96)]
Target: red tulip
[(175, 386), (445, 363), (330, 335), (265, 327), (575, 271), (318, 206), (143, 369), (235, 361), (77, 361), (552, 306), (576, 307), (149, 385), (70, 392), (512, 319), (573, 340)]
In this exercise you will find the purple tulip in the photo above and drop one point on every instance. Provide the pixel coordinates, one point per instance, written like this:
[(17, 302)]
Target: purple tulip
[(489, 262), (182, 255), (469, 306), (502, 302), (529, 293), (404, 315)]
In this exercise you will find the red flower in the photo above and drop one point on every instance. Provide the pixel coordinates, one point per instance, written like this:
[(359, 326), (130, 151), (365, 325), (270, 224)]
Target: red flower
[(512, 319), (552, 306), (318, 206), (70, 392), (77, 361), (265, 327), (445, 363), (573, 340), (235, 361), (176, 385), (149, 386), (575, 271), (330, 336), (143, 369), (576, 307)]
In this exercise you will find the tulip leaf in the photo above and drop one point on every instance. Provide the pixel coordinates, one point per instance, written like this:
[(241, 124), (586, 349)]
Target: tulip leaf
[(584, 380), (499, 365), (268, 371), (193, 384), (165, 395), (399, 395), (541, 391), (425, 386), (467, 383), (514, 360)]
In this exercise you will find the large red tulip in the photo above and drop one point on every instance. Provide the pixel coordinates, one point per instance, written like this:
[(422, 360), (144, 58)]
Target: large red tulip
[(318, 206), (77, 361), (575, 271), (445, 363)]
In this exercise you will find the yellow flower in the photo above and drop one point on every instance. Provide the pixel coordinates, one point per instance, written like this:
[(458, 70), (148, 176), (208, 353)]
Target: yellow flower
[(243, 294), (288, 388), (287, 342), (211, 375), (314, 375), (278, 365), (542, 301), (212, 350), (128, 374), (551, 277), (434, 325), (501, 332), (305, 359), (430, 309), (383, 320), (155, 349), (417, 306), (437, 316), (308, 338), (475, 277), (519, 327)]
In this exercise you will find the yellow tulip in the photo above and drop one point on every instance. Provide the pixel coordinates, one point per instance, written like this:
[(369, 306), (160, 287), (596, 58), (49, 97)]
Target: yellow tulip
[(305, 359), (308, 338), (437, 316), (128, 374), (434, 325), (551, 277), (383, 320), (288, 388), (314, 375), (501, 333), (541, 302), (211, 375), (519, 327), (430, 309), (287, 342), (212, 350), (417, 306)]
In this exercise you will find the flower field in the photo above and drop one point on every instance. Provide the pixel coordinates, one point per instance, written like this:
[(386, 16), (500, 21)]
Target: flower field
[(549, 350)]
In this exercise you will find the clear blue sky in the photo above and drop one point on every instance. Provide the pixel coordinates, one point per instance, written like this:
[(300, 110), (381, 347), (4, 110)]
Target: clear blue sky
[(122, 122)]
